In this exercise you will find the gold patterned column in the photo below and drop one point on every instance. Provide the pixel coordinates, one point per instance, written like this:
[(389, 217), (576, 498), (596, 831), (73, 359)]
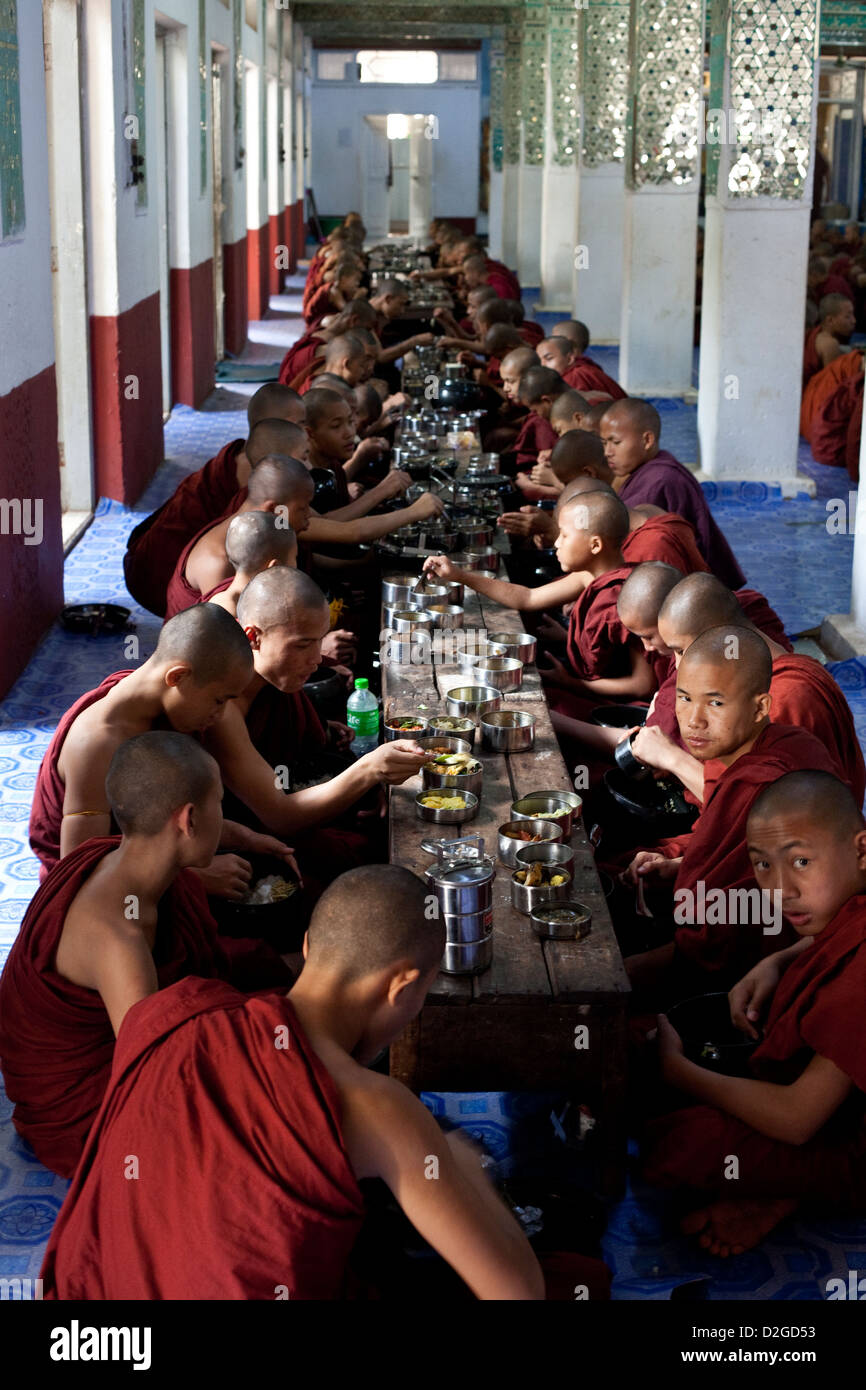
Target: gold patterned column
[(533, 56), (511, 137), (562, 133)]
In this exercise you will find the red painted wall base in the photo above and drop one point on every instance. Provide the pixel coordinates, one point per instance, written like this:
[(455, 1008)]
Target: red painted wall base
[(257, 270), (235, 286), (126, 375), (192, 334), (31, 576)]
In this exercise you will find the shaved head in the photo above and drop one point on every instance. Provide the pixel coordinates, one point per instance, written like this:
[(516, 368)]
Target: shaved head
[(579, 452), (645, 590), (273, 401), (819, 796), (155, 774), (538, 382), (635, 414), (255, 540), (321, 400), (274, 437), (595, 415), (698, 602), (275, 597), (564, 345), (599, 514), (371, 918), (278, 479), (494, 311), (575, 331), (570, 403), (206, 639), (345, 345), (502, 339), (521, 359), (831, 304), (731, 648)]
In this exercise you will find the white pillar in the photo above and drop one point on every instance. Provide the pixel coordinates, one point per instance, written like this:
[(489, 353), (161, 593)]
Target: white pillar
[(420, 179), (496, 152), (658, 304), (510, 213), (559, 179), (529, 224), (532, 108), (662, 176), (496, 204), (598, 251)]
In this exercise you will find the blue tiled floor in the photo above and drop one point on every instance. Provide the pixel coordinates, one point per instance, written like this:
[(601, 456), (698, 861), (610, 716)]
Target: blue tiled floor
[(786, 550)]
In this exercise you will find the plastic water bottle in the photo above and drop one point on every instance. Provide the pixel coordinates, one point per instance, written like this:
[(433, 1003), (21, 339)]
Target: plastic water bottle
[(362, 717)]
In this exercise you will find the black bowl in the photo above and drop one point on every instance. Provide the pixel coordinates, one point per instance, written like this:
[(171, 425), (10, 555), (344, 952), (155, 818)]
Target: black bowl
[(709, 1037), (619, 716), (281, 924), (95, 619), (325, 497), (459, 392), (659, 805), (327, 692)]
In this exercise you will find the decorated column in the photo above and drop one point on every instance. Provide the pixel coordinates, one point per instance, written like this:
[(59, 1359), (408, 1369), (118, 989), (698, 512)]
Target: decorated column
[(511, 140), (496, 161), (598, 242), (559, 180), (661, 200), (759, 132), (532, 108)]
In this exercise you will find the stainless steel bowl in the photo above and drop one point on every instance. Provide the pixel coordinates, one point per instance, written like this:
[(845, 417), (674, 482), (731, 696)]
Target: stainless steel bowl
[(508, 731), (466, 730), (391, 734), (540, 804), (456, 783), (468, 958), (447, 817), (526, 900), (467, 657), (477, 537), (472, 700), (463, 887), (502, 672), (430, 594), (508, 847), (483, 463), (521, 645), (465, 560), (409, 620), (556, 854), (446, 615), (570, 798), (454, 745), (562, 931), (397, 589), (482, 559), (467, 927)]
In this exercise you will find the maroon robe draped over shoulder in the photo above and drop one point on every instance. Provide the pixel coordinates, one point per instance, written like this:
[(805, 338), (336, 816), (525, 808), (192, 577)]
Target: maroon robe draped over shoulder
[(154, 547), (669, 539), (536, 434), (665, 482), (585, 375), (245, 1185), (597, 644), (298, 355)]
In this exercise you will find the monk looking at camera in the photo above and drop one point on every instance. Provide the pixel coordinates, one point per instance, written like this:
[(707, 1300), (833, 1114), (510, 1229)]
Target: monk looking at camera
[(796, 1123)]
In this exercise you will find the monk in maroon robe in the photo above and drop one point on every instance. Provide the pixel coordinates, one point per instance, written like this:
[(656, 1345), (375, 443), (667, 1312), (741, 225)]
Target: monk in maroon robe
[(828, 403), (277, 1099), (666, 538), (114, 920), (796, 1124), (155, 545), (630, 432)]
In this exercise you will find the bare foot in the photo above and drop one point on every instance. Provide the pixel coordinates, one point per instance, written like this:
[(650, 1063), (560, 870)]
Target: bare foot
[(730, 1227)]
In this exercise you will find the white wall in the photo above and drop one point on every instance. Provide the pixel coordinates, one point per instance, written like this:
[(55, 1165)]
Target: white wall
[(25, 267), (337, 113)]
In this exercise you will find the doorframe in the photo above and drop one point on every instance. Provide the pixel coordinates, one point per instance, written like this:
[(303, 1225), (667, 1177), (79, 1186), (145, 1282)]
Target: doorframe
[(219, 207), (164, 209)]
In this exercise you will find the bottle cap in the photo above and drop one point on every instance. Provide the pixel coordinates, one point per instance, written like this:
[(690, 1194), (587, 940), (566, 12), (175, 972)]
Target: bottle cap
[(362, 683)]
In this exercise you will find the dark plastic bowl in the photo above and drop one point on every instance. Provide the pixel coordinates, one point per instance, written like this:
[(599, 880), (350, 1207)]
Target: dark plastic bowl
[(661, 805), (709, 1037), (95, 619), (619, 716), (281, 924)]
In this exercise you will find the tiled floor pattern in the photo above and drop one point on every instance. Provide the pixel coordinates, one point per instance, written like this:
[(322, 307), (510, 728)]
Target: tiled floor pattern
[(787, 552)]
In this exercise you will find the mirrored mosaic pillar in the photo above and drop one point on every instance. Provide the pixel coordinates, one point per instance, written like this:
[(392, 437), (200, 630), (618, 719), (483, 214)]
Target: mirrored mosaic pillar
[(662, 169), (759, 132), (559, 180), (511, 140), (496, 160), (598, 238), (533, 62)]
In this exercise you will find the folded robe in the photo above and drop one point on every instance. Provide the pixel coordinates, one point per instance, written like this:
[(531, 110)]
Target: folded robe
[(155, 545), (816, 1010), (669, 539), (536, 434), (585, 375), (665, 482), (829, 401), (502, 280), (245, 1185), (56, 1039), (714, 852)]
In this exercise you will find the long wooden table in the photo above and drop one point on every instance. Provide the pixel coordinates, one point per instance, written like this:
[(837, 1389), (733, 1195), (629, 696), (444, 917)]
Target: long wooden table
[(520, 1024)]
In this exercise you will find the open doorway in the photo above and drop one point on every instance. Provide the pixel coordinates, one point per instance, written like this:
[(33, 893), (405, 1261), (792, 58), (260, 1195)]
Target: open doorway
[(69, 262), (397, 173)]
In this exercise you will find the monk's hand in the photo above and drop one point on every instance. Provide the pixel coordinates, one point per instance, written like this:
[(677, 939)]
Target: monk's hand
[(556, 673), (275, 849), (543, 476), (340, 645), (649, 863), (393, 763), (653, 747), (751, 995), (439, 567), (670, 1046), (226, 876), (355, 491), (516, 523), (427, 506), (373, 448), (340, 734), (422, 340)]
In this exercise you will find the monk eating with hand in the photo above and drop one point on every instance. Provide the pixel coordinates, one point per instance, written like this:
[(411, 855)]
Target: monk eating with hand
[(723, 710), (274, 1094), (279, 486), (630, 432), (154, 547), (803, 693), (796, 1123), (202, 661), (115, 920)]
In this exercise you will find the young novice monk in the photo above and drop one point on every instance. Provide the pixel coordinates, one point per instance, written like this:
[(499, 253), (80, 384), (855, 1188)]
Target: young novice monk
[(201, 661), (254, 542), (796, 1125), (154, 547), (630, 432), (273, 1094), (577, 371), (723, 709), (114, 921)]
